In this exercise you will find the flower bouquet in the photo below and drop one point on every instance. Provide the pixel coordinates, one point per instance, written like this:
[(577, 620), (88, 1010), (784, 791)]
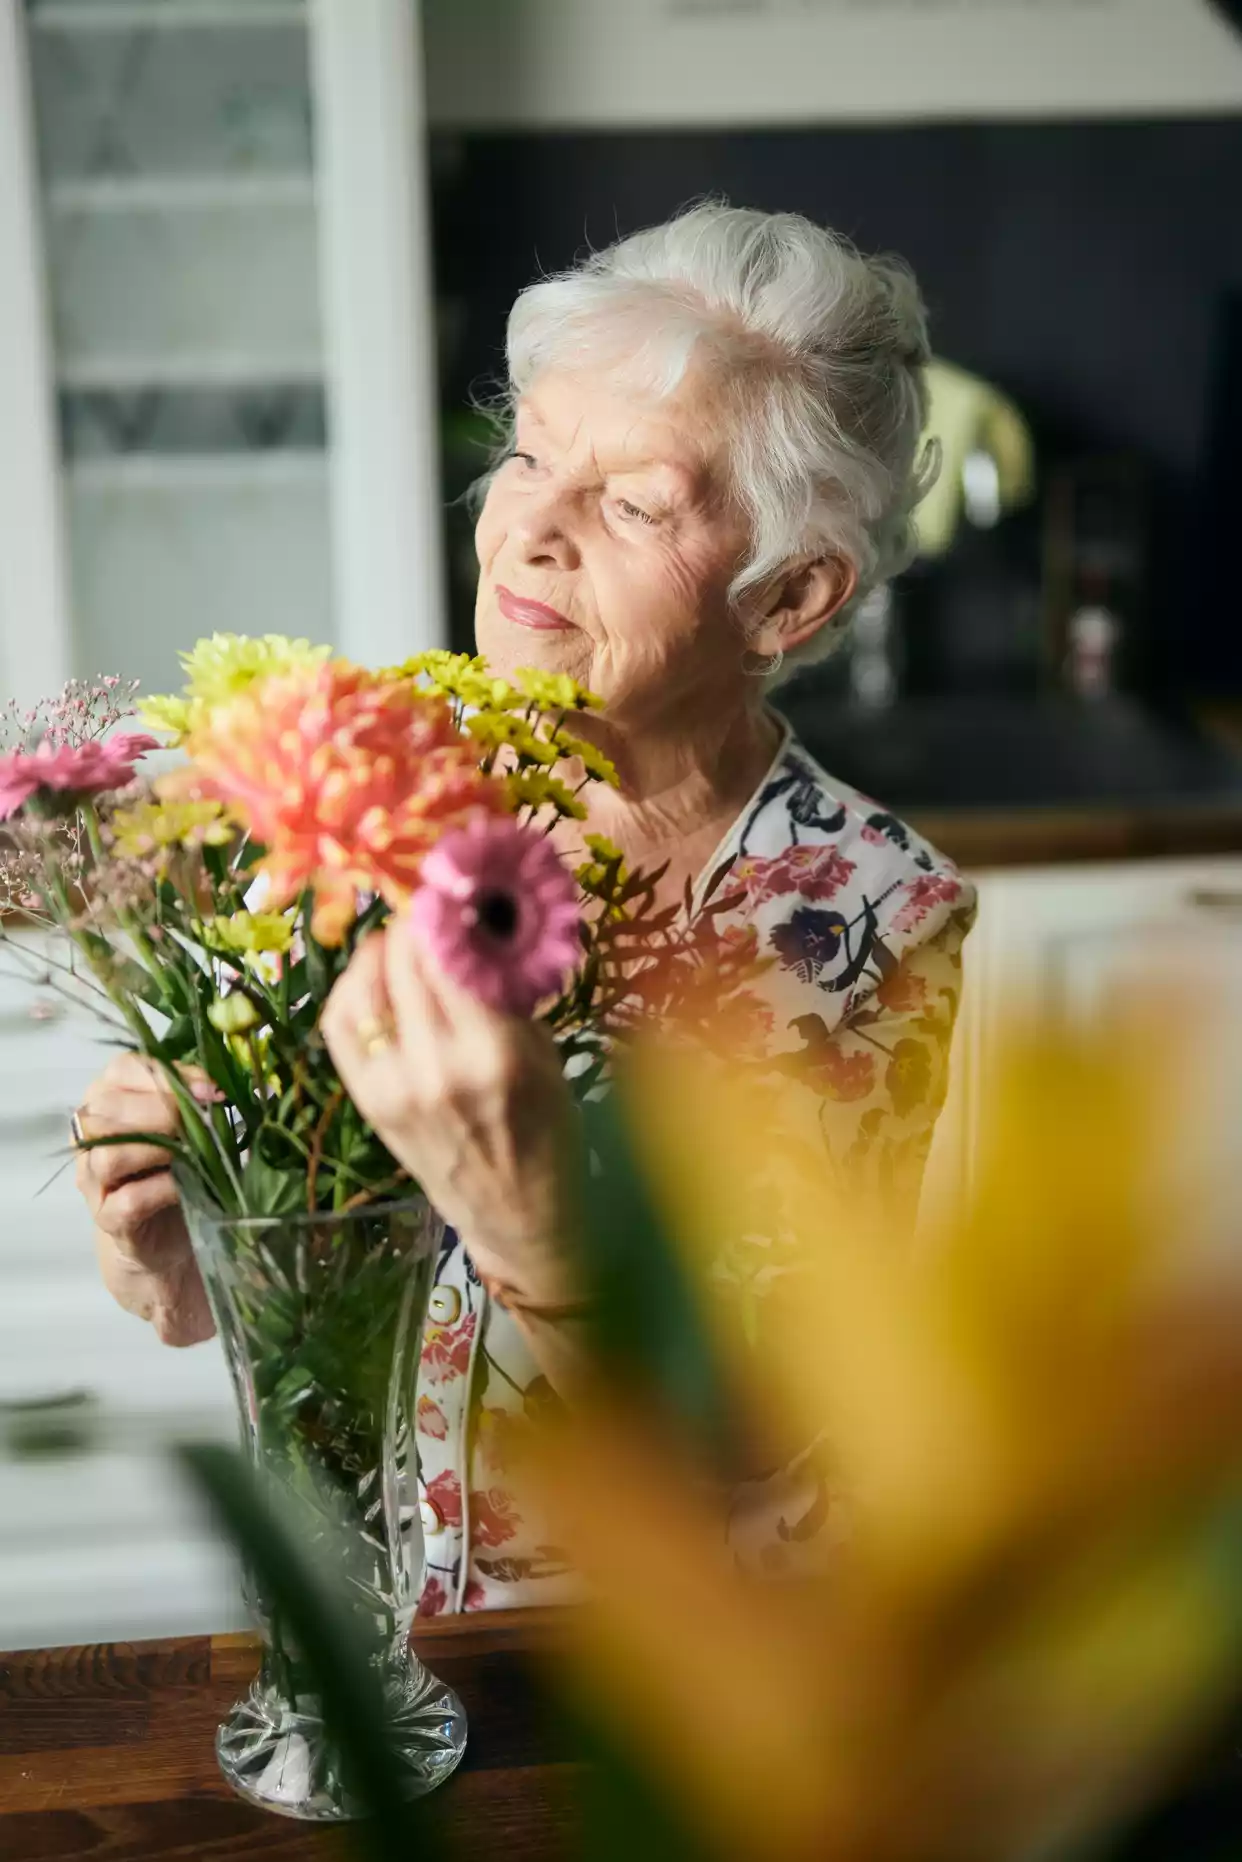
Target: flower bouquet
[(207, 915)]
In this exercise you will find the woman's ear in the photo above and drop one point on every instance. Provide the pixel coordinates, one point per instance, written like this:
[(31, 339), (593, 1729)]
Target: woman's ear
[(804, 598)]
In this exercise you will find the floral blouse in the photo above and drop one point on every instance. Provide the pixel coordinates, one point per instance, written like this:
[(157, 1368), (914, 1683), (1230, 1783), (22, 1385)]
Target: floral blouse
[(866, 923)]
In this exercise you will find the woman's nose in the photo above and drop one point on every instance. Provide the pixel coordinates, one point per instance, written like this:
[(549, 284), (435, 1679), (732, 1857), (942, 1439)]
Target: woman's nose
[(545, 535)]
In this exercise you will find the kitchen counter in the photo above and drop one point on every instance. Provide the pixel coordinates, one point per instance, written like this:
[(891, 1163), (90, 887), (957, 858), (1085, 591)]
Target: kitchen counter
[(1003, 781)]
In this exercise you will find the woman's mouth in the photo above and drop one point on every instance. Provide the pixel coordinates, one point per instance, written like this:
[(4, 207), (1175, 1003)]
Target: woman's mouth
[(534, 614)]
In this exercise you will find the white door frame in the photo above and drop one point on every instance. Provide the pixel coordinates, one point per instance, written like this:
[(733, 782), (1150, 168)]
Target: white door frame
[(379, 328), (35, 630)]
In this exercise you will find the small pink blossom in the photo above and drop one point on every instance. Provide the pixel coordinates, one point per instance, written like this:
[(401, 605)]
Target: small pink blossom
[(474, 1597), (69, 771), (499, 911)]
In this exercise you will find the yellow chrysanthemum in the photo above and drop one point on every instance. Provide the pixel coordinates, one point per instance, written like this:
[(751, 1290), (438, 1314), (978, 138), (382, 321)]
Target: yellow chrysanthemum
[(591, 758), (500, 727), (166, 712), (458, 675), (534, 788), (224, 665), (555, 691), (156, 827), (252, 934), (606, 871)]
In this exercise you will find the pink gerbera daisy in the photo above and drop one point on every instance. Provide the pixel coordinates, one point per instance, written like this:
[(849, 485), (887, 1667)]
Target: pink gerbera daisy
[(56, 776), (500, 912)]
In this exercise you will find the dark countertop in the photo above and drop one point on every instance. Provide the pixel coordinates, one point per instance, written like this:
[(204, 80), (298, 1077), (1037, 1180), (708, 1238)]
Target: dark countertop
[(1005, 781)]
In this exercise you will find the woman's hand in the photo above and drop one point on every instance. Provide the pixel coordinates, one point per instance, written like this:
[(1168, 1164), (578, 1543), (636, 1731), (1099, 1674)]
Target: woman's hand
[(470, 1101), (144, 1251)]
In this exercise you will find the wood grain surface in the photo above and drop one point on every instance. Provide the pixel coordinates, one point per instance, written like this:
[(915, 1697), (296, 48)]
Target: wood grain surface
[(107, 1752)]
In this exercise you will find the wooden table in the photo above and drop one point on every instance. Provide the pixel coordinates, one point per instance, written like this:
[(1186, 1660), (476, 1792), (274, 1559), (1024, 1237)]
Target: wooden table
[(107, 1752)]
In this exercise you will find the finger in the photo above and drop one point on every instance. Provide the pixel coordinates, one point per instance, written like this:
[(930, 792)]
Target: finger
[(103, 1113), (125, 1211), (358, 1024), (418, 1009), (359, 992), (110, 1165)]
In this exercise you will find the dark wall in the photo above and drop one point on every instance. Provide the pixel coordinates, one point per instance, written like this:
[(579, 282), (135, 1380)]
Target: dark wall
[(1093, 270)]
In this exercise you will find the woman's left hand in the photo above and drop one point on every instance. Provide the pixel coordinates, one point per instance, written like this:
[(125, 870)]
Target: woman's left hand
[(471, 1101)]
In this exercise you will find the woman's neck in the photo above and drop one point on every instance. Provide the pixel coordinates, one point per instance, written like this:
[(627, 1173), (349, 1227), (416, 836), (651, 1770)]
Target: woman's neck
[(680, 791)]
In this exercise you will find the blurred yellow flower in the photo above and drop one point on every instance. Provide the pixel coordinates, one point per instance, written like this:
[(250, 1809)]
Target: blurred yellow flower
[(156, 827), (252, 934), (168, 713), (222, 666), (233, 1014), (463, 676), (494, 728), (592, 759), (603, 849), (534, 788), (1037, 1422), (555, 691)]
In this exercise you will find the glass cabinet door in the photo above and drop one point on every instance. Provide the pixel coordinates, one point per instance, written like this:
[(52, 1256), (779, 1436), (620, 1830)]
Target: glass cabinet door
[(176, 174)]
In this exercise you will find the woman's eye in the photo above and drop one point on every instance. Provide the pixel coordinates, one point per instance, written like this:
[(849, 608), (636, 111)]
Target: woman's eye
[(526, 459), (632, 511)]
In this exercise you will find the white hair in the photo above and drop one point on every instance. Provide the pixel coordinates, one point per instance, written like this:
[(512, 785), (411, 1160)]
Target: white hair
[(820, 354)]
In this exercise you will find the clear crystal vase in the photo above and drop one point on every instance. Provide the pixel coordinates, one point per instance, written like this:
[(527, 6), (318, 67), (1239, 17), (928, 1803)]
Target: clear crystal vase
[(321, 1317)]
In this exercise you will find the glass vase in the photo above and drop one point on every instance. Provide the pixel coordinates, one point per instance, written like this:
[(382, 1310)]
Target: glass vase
[(321, 1317)]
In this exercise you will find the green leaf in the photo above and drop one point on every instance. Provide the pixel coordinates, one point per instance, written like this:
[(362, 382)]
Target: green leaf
[(649, 1328), (177, 1042), (353, 1705), (273, 1181)]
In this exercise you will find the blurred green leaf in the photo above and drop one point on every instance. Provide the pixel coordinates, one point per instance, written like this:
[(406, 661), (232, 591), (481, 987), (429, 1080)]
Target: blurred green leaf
[(649, 1328), (352, 1702)]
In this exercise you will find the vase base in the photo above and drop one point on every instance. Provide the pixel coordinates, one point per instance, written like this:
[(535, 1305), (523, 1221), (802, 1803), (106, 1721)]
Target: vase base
[(280, 1757)]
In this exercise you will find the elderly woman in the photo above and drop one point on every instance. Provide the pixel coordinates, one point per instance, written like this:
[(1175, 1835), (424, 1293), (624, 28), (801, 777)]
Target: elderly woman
[(715, 454)]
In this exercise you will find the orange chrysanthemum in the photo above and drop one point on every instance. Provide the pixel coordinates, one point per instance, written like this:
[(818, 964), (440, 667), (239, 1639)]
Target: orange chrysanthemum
[(346, 778)]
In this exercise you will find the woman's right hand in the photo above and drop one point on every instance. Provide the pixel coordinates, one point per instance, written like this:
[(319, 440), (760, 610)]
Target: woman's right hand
[(140, 1234)]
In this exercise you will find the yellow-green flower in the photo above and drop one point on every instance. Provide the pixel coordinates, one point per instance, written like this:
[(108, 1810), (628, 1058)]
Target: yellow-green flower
[(458, 675), (234, 1014), (252, 934), (223, 666), (245, 1049), (155, 827), (494, 728), (555, 691), (592, 759), (603, 849), (168, 713), (534, 788)]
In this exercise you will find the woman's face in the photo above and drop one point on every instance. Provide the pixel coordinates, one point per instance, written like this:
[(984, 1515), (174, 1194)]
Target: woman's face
[(607, 544)]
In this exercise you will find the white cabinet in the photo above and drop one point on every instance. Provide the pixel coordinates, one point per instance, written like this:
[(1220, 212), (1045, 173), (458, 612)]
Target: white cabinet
[(217, 385), (1059, 944), (217, 410)]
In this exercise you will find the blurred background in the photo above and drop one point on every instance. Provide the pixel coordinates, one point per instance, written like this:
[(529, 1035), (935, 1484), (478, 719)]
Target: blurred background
[(256, 258)]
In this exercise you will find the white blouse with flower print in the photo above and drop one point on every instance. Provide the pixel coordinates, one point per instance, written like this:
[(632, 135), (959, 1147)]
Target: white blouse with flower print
[(866, 923)]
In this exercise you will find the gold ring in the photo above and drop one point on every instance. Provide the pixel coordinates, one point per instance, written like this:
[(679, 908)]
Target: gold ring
[(374, 1035)]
